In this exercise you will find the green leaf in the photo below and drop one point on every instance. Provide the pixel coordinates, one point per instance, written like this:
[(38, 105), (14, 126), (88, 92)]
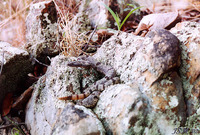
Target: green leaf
[(116, 16), (63, 34), (118, 21), (128, 16)]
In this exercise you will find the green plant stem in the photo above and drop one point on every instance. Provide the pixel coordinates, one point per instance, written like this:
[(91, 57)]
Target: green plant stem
[(116, 16), (16, 125), (128, 16)]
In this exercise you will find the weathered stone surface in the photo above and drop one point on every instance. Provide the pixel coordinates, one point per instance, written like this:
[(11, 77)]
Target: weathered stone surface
[(189, 36), (122, 109), (166, 96), (160, 53), (77, 120), (152, 98), (152, 62), (145, 62), (44, 107), (117, 52), (16, 66), (41, 29)]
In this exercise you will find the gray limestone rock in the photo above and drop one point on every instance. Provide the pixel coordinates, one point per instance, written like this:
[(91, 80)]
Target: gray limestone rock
[(41, 29), (156, 79), (44, 106), (77, 120), (122, 109), (189, 35), (142, 59)]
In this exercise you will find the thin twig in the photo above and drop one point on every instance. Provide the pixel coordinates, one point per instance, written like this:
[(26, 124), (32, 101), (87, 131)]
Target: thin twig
[(87, 44), (15, 124), (2, 63), (95, 28), (40, 62), (11, 125)]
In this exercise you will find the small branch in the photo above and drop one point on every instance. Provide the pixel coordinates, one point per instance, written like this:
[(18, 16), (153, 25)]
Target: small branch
[(40, 62), (87, 45), (95, 28), (49, 58), (2, 63), (10, 125), (94, 46)]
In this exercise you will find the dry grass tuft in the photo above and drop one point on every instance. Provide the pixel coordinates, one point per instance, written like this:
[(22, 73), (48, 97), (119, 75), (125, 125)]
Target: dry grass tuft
[(12, 24), (72, 39)]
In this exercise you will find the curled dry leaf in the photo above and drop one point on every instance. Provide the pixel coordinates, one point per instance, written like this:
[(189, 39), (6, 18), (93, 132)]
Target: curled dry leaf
[(158, 21), (7, 104)]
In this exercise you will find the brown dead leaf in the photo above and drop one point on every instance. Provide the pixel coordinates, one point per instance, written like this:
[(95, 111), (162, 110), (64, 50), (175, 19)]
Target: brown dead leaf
[(102, 35), (23, 99), (7, 104), (142, 27), (158, 21)]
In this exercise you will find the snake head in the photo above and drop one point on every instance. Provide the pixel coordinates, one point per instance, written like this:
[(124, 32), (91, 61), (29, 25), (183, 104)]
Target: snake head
[(81, 61)]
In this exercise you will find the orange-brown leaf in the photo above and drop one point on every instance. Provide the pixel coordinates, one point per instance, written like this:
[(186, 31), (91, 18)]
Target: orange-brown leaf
[(7, 104)]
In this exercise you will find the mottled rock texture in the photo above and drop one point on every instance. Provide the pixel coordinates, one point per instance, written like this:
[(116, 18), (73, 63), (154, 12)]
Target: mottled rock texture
[(77, 120), (145, 60), (159, 89), (153, 63), (122, 109), (189, 35), (41, 30), (44, 107), (16, 66)]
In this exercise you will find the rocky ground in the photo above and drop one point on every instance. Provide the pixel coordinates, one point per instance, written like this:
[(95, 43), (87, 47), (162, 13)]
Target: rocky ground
[(159, 87)]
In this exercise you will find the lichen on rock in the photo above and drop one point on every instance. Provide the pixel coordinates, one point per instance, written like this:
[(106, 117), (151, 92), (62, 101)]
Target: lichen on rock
[(77, 120), (122, 108), (189, 35), (41, 29), (44, 102)]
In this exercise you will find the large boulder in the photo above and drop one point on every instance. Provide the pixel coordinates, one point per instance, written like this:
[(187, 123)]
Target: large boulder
[(77, 120), (44, 107), (123, 109), (152, 62), (189, 35), (41, 30), (15, 65)]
